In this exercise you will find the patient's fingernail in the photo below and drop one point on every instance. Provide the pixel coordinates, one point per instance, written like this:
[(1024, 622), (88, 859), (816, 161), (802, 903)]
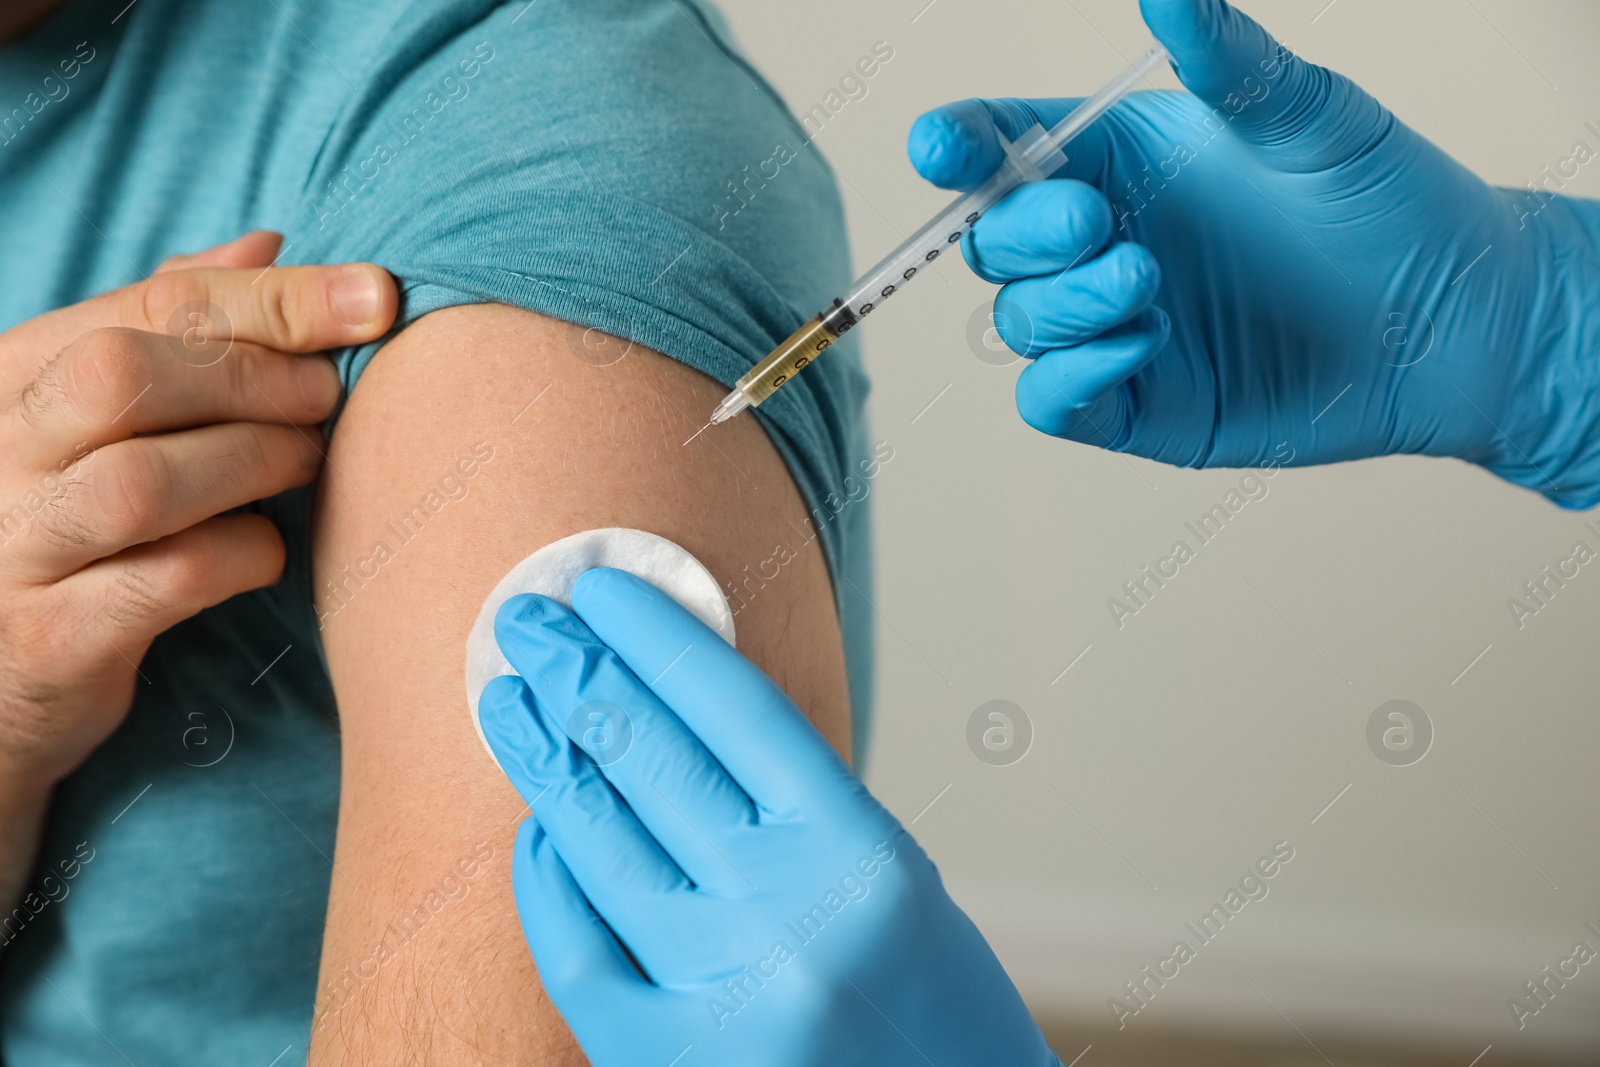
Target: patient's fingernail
[(355, 296)]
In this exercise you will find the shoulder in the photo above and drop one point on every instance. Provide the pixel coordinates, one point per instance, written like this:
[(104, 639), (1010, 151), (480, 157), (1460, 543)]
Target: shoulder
[(576, 160), (474, 120)]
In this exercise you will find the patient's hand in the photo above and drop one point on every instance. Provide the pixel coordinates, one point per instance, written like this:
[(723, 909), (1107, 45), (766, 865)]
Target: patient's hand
[(723, 883), (128, 424)]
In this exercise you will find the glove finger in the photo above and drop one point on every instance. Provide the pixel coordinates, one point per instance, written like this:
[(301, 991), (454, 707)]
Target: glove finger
[(957, 146), (1313, 118), (676, 789), (1076, 393), (580, 961), (769, 748), (614, 860), (1037, 315), (1041, 228)]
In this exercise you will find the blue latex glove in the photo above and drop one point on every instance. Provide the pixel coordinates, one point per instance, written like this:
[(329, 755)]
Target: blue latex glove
[(714, 883), (1312, 251)]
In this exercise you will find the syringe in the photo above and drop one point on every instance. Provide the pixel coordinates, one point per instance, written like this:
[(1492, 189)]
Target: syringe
[(1034, 155)]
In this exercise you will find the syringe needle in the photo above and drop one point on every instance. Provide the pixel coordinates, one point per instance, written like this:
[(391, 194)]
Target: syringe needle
[(698, 432)]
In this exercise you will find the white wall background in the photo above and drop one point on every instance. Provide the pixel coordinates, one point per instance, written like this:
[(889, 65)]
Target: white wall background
[(1176, 751)]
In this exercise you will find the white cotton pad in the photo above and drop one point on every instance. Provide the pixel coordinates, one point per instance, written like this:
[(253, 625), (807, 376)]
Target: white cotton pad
[(552, 571)]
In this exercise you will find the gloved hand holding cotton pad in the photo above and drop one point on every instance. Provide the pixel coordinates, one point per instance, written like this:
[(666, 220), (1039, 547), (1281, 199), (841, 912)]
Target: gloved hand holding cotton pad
[(552, 570), (713, 873)]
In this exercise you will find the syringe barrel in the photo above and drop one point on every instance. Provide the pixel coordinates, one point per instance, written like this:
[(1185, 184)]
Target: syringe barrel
[(790, 357), (919, 251)]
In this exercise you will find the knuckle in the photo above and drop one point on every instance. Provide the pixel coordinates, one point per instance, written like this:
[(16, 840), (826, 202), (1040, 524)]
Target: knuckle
[(279, 307), (242, 376), (44, 396), (130, 492), (1131, 270), (108, 368), (253, 455), (135, 599), (61, 524), (95, 377), (261, 459), (237, 378), (153, 301)]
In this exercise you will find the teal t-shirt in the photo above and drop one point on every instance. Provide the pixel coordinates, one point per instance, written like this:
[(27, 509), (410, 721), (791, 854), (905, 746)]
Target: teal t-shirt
[(575, 157)]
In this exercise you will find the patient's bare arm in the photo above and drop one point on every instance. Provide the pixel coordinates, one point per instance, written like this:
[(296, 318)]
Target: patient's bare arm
[(476, 437)]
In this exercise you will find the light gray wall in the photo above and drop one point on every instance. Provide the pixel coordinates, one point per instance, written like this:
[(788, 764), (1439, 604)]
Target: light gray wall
[(1228, 715)]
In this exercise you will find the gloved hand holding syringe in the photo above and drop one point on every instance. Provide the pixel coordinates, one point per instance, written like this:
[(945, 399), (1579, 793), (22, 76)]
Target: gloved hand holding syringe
[(1036, 154)]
